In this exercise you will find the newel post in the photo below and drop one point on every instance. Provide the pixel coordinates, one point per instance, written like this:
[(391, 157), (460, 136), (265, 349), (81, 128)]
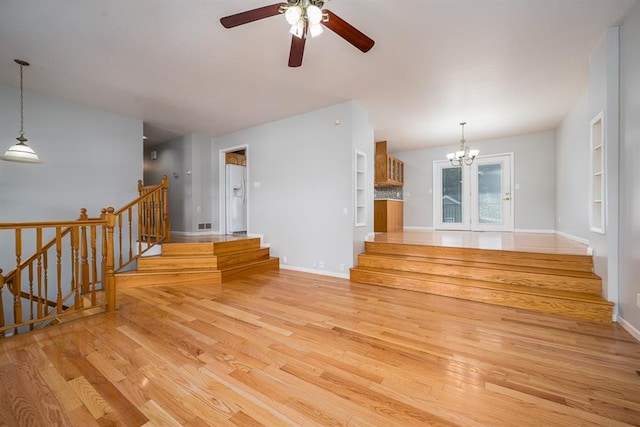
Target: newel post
[(109, 279), (165, 208)]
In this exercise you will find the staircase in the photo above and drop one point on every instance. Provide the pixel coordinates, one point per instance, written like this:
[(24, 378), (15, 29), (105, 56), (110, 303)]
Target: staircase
[(548, 283), (195, 263)]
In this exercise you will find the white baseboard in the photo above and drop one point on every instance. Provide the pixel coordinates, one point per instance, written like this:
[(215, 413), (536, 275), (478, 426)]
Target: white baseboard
[(414, 228), (572, 237), (196, 233), (315, 271), (629, 328), (534, 230)]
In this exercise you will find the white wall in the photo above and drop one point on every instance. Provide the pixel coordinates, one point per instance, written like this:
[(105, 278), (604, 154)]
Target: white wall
[(173, 159), (91, 159), (300, 193), (534, 166), (187, 163), (604, 96), (572, 172), (629, 261)]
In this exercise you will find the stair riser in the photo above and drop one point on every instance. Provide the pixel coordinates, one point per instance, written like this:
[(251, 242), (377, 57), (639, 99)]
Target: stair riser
[(552, 261), (209, 248), (248, 256), (486, 273), (544, 304), (148, 264), (145, 279), (271, 264)]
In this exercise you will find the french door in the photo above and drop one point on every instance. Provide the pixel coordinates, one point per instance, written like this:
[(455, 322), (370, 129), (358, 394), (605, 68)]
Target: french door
[(477, 197)]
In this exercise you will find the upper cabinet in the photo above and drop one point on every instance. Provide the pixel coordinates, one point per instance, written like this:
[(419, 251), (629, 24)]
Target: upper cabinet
[(389, 170)]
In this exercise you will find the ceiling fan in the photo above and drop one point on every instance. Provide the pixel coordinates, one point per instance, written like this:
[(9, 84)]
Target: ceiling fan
[(306, 17)]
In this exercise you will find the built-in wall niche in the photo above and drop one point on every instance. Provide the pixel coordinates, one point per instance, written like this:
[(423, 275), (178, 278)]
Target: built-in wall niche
[(597, 194), (360, 209)]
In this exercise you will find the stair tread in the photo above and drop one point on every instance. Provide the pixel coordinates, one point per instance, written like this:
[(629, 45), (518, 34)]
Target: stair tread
[(488, 266), (487, 285)]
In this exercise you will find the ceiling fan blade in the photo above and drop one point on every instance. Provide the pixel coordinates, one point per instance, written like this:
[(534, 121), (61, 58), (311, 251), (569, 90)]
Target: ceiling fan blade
[(251, 15), (348, 32), (297, 50)]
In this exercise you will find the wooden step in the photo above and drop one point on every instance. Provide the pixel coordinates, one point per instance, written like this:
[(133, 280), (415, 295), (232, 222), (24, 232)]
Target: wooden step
[(210, 248), (187, 277), (177, 262), (573, 304), (539, 277), (245, 269), (552, 261)]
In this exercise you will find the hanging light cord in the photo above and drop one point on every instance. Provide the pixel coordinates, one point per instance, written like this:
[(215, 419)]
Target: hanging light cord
[(21, 138)]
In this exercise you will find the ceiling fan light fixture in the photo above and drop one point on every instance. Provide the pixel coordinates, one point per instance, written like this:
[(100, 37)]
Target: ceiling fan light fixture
[(315, 30), (298, 29), (293, 15), (314, 14)]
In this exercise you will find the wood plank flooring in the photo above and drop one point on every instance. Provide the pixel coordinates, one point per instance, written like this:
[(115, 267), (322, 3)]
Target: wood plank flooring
[(506, 241), (289, 348)]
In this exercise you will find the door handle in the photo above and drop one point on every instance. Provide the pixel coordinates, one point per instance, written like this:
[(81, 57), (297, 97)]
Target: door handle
[(507, 198)]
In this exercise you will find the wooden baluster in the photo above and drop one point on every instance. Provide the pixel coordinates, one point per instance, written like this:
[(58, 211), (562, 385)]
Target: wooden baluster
[(84, 253), (75, 266), (140, 222), (59, 268), (120, 240), (103, 266), (31, 295), (1, 305), (130, 213), (94, 265), (109, 275), (45, 266), (148, 212), (41, 298), (17, 279), (165, 208), (157, 230), (140, 187)]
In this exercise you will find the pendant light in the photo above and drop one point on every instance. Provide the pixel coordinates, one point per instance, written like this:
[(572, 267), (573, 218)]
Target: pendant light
[(21, 152), (464, 155)]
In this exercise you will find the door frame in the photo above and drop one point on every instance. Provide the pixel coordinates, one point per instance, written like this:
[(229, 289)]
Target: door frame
[(467, 202), (222, 186)]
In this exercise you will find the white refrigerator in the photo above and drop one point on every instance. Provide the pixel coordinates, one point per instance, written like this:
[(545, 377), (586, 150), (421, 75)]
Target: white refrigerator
[(236, 198)]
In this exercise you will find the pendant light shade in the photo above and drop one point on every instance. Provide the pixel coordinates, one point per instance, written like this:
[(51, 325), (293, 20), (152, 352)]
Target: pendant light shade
[(21, 152)]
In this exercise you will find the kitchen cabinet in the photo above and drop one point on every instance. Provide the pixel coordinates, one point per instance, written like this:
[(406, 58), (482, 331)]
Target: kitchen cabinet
[(389, 169), (388, 215)]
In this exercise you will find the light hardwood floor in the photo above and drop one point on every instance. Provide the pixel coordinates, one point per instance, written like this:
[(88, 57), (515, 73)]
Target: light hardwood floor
[(290, 348), (506, 241)]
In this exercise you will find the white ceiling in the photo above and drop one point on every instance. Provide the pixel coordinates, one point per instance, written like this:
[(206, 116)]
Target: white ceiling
[(507, 67)]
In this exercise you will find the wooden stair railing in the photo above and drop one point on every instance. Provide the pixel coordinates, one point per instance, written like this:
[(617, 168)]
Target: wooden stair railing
[(75, 270)]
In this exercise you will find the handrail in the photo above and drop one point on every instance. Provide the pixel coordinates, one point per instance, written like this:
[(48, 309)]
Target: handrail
[(80, 261)]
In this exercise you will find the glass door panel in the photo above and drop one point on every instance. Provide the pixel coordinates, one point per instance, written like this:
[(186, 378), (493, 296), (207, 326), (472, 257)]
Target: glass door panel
[(450, 204), (491, 193), (476, 197)]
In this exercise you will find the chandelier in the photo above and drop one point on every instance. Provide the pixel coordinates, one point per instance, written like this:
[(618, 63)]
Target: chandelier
[(463, 155), (21, 152), (305, 15)]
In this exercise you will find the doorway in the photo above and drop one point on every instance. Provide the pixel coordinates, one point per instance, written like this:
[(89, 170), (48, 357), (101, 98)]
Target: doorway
[(234, 194), (477, 197)]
